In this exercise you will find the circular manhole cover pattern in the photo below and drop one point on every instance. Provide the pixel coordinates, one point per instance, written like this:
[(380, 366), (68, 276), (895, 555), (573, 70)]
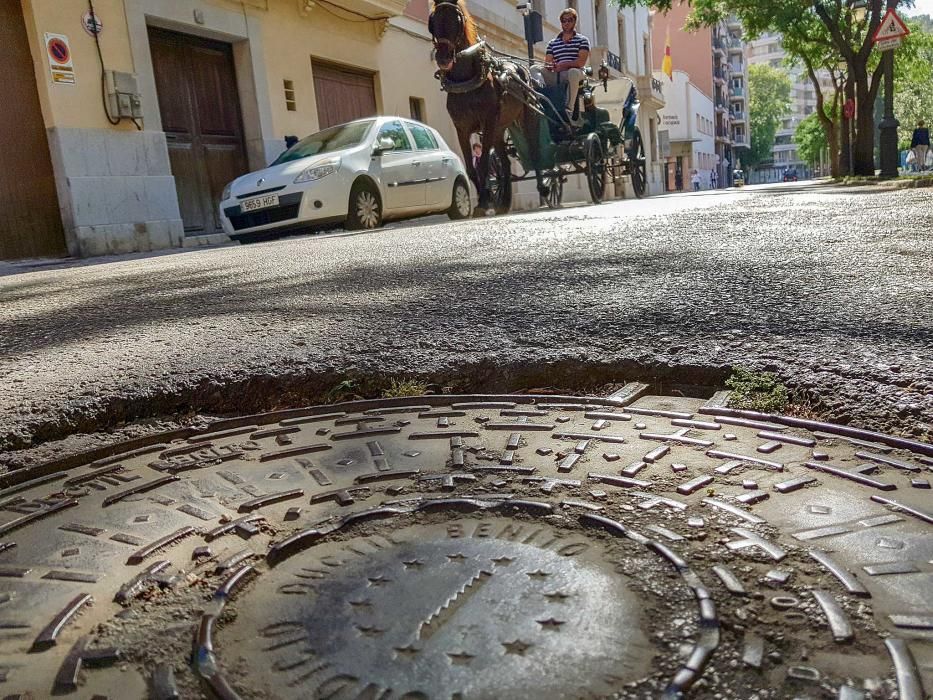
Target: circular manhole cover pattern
[(436, 611), (471, 547)]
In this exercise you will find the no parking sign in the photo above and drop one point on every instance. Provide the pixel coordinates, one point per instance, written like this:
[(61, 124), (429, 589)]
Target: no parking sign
[(60, 64)]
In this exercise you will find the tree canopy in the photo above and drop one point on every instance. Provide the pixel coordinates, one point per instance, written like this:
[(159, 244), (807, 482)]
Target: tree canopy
[(768, 105), (827, 33), (810, 138), (913, 78)]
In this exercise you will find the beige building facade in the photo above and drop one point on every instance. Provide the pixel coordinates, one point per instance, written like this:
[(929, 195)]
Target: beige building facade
[(210, 89)]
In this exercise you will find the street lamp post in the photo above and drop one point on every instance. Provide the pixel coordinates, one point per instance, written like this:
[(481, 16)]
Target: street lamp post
[(848, 113), (889, 124)]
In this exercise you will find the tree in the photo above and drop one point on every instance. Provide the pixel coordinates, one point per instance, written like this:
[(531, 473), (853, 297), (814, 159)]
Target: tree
[(810, 138), (913, 78), (768, 103), (828, 78), (840, 39)]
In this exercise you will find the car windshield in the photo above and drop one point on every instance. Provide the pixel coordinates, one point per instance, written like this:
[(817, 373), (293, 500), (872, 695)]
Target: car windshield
[(327, 141)]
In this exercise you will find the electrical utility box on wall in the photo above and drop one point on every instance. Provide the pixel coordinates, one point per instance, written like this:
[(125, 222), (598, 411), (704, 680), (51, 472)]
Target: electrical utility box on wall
[(123, 95)]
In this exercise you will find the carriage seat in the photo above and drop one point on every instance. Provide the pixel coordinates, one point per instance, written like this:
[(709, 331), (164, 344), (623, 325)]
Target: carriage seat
[(557, 94)]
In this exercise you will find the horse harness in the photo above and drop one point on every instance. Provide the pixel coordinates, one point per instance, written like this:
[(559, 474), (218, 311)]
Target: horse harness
[(504, 75), (503, 72)]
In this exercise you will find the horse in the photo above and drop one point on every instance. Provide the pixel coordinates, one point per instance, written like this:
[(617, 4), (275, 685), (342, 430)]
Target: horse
[(482, 93)]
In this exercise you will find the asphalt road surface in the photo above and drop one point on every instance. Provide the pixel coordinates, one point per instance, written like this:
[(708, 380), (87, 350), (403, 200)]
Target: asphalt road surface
[(828, 287)]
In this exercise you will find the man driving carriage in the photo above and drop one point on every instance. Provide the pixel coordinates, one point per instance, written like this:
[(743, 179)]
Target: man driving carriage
[(566, 56)]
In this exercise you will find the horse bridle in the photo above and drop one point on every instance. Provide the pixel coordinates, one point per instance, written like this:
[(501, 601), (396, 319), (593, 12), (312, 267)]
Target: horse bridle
[(461, 31)]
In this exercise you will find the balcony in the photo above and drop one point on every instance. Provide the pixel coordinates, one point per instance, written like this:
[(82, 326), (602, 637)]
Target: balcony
[(650, 91), (738, 116), (719, 48), (600, 54), (739, 141), (383, 9), (737, 93)]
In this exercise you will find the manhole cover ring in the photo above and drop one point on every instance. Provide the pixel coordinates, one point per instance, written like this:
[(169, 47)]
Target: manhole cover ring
[(424, 645)]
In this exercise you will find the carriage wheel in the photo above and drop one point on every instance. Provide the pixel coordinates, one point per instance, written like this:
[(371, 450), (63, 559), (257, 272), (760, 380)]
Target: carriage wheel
[(555, 191), (637, 167), (500, 182), (595, 167)]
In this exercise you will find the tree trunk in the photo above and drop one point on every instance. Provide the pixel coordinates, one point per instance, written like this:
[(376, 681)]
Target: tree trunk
[(863, 149), (832, 138), (846, 146)]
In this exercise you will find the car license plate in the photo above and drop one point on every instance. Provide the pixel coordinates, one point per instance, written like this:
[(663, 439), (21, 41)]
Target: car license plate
[(270, 200)]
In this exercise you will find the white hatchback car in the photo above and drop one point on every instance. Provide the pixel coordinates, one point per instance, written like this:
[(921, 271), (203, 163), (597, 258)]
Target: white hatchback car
[(359, 174)]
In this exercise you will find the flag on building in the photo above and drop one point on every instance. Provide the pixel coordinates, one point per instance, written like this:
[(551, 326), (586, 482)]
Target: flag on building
[(667, 66)]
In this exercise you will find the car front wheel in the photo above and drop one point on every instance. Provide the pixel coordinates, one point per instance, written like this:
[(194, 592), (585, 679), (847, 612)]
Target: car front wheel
[(460, 207), (365, 208)]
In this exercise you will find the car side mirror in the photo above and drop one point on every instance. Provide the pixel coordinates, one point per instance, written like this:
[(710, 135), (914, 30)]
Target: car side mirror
[(382, 145)]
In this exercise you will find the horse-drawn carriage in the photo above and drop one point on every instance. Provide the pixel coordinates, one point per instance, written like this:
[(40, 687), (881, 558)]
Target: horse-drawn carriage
[(520, 118)]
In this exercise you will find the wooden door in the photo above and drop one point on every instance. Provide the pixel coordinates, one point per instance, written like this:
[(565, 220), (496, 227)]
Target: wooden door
[(342, 95), (200, 108), (30, 220)]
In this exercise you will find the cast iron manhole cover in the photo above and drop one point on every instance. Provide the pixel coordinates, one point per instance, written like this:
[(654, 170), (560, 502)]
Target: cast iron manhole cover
[(475, 547)]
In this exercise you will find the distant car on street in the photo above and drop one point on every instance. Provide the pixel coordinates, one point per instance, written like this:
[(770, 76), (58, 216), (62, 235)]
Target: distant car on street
[(790, 175), (357, 174)]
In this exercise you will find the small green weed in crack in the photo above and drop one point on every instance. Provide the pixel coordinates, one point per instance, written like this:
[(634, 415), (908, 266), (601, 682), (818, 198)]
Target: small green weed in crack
[(404, 387), (347, 390), (757, 391)]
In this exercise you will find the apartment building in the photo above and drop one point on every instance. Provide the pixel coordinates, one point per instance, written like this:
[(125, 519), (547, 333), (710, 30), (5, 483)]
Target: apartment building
[(198, 92), (768, 50), (207, 90), (712, 60), (737, 85)]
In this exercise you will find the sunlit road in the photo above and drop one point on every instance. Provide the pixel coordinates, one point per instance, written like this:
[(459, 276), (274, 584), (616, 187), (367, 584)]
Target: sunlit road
[(828, 287)]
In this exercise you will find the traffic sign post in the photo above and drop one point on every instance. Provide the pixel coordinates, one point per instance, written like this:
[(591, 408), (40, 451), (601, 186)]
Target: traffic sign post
[(886, 38), (534, 31), (891, 27)]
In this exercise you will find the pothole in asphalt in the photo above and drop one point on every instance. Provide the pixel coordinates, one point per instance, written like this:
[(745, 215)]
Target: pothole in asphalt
[(108, 419)]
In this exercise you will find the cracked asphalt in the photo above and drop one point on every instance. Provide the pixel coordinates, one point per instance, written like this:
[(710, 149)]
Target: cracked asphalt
[(828, 287)]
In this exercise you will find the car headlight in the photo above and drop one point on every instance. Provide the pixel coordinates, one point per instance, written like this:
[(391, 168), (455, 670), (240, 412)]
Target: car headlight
[(318, 171), (226, 193)]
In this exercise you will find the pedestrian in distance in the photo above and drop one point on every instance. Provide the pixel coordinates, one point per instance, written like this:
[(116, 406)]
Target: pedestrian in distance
[(713, 180), (695, 179), (920, 144), (477, 154), (565, 57)]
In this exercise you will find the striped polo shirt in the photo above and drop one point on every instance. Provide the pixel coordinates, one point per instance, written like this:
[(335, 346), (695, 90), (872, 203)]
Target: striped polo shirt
[(569, 51)]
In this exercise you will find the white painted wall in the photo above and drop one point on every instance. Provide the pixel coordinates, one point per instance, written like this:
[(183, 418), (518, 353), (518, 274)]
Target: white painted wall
[(685, 102)]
